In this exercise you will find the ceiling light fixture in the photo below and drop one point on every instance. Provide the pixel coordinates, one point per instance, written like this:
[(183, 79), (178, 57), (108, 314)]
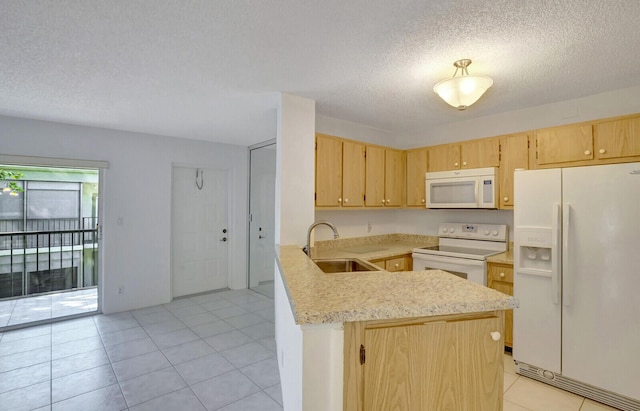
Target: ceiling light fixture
[(464, 90)]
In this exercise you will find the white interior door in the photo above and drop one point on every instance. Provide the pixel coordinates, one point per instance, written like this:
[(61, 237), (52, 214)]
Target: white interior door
[(199, 230), (262, 215)]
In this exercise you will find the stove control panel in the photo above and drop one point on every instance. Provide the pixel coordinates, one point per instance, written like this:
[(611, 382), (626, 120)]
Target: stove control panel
[(490, 232)]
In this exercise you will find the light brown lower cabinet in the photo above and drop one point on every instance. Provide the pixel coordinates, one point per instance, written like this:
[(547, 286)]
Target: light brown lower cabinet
[(500, 278), (450, 362), (396, 263)]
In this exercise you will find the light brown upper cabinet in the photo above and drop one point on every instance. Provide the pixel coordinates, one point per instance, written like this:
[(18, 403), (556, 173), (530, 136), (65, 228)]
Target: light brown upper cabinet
[(484, 152), (514, 153), (565, 144), (617, 138), (416, 167), (384, 177), (444, 157), (339, 172)]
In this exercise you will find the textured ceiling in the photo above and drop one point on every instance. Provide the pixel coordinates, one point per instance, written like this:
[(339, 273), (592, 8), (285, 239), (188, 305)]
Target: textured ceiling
[(212, 70)]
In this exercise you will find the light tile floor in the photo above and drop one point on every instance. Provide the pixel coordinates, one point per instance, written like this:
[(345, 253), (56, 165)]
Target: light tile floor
[(209, 352), (47, 307)]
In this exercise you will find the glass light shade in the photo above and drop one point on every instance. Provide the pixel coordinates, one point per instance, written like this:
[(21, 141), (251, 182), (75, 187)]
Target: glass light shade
[(463, 91)]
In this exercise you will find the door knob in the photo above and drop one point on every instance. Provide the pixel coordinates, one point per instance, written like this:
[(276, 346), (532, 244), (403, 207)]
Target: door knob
[(223, 239), (260, 237), (495, 335), (224, 231)]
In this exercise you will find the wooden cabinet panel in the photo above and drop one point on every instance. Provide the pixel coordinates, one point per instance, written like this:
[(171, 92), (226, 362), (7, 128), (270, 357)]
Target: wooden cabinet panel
[(399, 362), (374, 186), (440, 365), (500, 278), (618, 138), (328, 171), (564, 144), (393, 177), (416, 166), (353, 177), (444, 157), (402, 263), (395, 264), (514, 153), (384, 177), (480, 153)]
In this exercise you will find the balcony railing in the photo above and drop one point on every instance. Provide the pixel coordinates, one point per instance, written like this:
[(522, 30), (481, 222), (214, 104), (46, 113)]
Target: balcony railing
[(41, 261)]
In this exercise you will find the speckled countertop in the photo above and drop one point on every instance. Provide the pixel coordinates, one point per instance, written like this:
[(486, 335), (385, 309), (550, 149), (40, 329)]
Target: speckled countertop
[(317, 298), (502, 258), (371, 248)]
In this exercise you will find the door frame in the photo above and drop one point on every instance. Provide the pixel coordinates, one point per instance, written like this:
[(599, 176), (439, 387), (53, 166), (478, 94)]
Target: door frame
[(257, 146)]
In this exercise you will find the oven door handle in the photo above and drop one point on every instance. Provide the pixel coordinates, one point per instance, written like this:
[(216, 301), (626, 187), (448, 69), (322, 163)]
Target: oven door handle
[(446, 259)]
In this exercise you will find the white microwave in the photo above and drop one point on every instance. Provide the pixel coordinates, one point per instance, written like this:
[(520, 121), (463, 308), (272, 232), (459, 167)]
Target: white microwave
[(470, 188)]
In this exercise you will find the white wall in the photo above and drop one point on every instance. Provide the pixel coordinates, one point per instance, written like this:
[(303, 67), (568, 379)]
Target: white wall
[(354, 131), (137, 190), (295, 169), (609, 104)]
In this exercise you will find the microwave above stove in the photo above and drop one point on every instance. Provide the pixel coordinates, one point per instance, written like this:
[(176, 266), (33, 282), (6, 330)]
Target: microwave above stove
[(469, 188)]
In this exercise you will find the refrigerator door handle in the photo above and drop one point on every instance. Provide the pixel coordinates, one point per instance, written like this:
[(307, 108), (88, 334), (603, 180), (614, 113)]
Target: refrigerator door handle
[(556, 239), (566, 273)]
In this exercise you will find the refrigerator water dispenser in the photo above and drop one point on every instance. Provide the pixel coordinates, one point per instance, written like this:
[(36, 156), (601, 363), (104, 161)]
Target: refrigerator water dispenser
[(534, 252)]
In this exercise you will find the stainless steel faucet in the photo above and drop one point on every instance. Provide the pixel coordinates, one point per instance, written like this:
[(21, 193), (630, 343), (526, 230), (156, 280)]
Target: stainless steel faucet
[(307, 248)]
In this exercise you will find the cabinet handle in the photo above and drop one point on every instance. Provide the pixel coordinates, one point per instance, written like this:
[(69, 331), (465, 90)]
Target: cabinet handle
[(346, 200), (505, 199), (495, 335), (456, 164), (464, 163), (587, 152), (602, 151), (397, 265), (383, 201), (422, 201), (340, 200), (501, 275), (388, 201)]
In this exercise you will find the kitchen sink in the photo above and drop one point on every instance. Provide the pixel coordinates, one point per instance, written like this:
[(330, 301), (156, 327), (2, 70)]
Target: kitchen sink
[(344, 265)]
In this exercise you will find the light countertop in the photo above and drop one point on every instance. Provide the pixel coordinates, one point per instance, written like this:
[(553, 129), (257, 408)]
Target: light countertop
[(317, 298), (502, 258)]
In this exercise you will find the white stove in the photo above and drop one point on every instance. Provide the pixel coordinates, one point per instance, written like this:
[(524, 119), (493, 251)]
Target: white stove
[(463, 249)]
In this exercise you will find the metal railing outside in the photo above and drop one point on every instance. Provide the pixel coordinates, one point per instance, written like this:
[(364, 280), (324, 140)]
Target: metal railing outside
[(41, 261)]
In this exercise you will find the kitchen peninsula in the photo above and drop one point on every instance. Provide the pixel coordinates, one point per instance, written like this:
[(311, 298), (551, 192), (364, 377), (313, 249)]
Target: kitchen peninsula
[(382, 340)]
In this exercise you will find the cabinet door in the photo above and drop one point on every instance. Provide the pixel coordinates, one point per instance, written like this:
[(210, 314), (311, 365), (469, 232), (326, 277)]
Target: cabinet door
[(514, 153), (352, 174), (618, 138), (411, 368), (480, 364), (480, 153), (393, 177), (500, 278), (564, 144), (434, 366), (416, 167), (374, 186), (444, 157), (328, 171), (395, 264)]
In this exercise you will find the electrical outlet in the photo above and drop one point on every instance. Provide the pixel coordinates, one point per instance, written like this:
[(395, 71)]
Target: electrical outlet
[(121, 289)]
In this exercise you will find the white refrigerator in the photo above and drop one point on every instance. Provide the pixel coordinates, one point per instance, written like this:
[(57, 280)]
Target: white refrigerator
[(577, 279)]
